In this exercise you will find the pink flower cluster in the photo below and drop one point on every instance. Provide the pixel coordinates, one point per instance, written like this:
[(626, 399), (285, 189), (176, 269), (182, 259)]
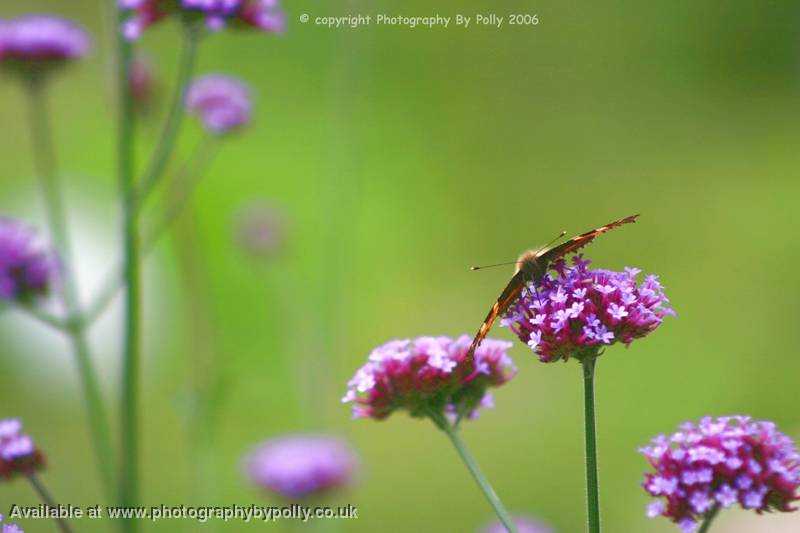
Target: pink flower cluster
[(18, 453), (718, 463), (264, 15), (429, 376), (580, 308)]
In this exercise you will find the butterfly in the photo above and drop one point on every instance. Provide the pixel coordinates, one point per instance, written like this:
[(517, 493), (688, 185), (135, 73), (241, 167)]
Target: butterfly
[(531, 267)]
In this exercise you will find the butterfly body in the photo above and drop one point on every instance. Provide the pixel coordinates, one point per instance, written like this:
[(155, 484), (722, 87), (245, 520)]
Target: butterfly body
[(532, 266)]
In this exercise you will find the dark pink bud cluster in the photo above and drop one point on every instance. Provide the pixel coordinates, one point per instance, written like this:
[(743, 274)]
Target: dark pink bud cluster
[(718, 463), (578, 308), (429, 376)]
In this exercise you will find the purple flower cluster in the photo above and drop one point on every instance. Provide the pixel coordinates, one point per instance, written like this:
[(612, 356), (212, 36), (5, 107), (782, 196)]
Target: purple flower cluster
[(10, 528), (222, 103), (429, 375), (578, 308), (718, 463), (25, 268), (265, 15), (36, 41), (18, 453), (298, 466), (524, 525)]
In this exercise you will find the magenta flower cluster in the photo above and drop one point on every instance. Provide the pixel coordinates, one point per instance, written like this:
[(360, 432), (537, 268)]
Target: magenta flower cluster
[(40, 40), (429, 375), (718, 463), (222, 102), (18, 453), (265, 15), (303, 465), (577, 309), (26, 268)]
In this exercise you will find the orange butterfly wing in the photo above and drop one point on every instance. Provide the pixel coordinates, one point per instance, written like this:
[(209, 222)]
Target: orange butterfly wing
[(582, 240), (508, 295)]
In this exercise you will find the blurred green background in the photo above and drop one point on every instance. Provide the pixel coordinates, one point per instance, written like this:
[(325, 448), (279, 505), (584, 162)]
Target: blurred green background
[(400, 157)]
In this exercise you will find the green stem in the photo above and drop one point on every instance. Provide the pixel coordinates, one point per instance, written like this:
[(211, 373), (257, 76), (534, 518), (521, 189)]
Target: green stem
[(169, 133), (187, 180), (44, 159), (129, 481), (41, 315), (472, 466), (592, 490), (48, 500), (710, 516)]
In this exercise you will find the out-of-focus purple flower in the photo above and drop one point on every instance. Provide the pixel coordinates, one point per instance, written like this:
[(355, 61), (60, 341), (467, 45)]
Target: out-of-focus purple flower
[(524, 525), (222, 102), (18, 453), (32, 43), (718, 463), (578, 308), (264, 15), (9, 528), (26, 269), (302, 465), (143, 83), (260, 230), (429, 376)]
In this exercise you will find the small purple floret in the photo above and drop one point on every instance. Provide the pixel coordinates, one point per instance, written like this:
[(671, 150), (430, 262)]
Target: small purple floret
[(303, 465)]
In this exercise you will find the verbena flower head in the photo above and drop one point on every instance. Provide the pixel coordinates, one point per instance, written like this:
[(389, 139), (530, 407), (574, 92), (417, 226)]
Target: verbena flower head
[(26, 269), (265, 15), (222, 102), (524, 525), (576, 309), (721, 462), (33, 43), (18, 453), (302, 465), (429, 375)]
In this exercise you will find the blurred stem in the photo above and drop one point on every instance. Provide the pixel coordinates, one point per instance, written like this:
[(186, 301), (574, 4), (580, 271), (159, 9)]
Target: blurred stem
[(44, 160), (185, 183), (491, 496), (592, 488), (47, 499), (712, 514), (187, 179), (41, 315), (129, 481), (169, 133)]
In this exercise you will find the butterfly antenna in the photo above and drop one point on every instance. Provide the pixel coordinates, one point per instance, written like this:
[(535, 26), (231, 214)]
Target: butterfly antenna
[(555, 239), (495, 265)]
